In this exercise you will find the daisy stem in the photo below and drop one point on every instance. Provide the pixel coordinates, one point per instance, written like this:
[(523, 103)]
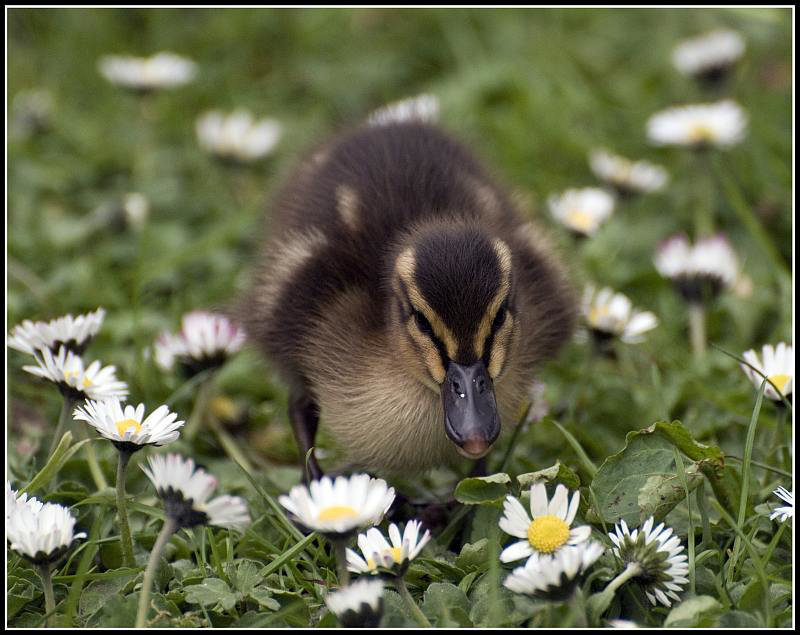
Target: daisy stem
[(200, 409), (780, 426), (126, 543), (342, 572), (631, 571), (578, 606), (697, 328), (170, 525), (402, 589), (49, 597)]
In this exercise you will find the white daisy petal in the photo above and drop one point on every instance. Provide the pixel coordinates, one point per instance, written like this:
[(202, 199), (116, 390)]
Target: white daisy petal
[(237, 136), (778, 366), (722, 124), (583, 210), (163, 70)]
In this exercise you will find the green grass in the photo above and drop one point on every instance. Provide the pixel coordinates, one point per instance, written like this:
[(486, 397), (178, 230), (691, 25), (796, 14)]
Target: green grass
[(532, 91)]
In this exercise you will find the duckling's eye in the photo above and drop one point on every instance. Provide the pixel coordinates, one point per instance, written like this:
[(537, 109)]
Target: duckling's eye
[(423, 324), (499, 318)]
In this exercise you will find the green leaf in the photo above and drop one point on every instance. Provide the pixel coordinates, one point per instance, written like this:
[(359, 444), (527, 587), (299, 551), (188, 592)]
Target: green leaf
[(247, 576), (60, 455), (642, 479), (473, 556), (699, 611), (446, 605), (264, 598), (483, 490), (558, 473), (20, 592), (97, 593), (211, 592)]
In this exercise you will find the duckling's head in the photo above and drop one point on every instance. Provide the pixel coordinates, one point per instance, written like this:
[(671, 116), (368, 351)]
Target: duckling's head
[(453, 320)]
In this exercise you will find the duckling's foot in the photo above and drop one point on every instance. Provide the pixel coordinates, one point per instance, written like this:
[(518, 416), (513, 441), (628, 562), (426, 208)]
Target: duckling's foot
[(304, 415)]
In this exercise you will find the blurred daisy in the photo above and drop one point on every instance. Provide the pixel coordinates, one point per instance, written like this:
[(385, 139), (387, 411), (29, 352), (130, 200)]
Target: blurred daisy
[(66, 370), (204, 341), (338, 507), (582, 210), (73, 333), (655, 555), (555, 578), (625, 175), (31, 111), (622, 624), (539, 407), (359, 604), (610, 314), (423, 108), (708, 56), (185, 491), (379, 553), (547, 530), (135, 209), (786, 512), (777, 366), (144, 74), (126, 426), (699, 271), (42, 533), (237, 136), (721, 124)]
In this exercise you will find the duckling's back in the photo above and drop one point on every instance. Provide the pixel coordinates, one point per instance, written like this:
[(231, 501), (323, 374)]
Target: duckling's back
[(334, 227)]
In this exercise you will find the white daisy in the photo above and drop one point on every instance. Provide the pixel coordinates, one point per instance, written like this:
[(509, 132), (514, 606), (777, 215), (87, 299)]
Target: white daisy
[(74, 333), (144, 74), (185, 491), (420, 108), (709, 55), (622, 624), (31, 111), (15, 499), (786, 512), (663, 569), (359, 604), (555, 578), (539, 407), (547, 530), (339, 506), (135, 209), (379, 553), (627, 175), (722, 124), (67, 371), (42, 533), (612, 314), (237, 136), (778, 366), (699, 271), (582, 210), (204, 341), (126, 426)]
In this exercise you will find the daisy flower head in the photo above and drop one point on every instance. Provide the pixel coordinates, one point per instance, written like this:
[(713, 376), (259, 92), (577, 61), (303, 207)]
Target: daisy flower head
[(721, 124), (14, 499), (75, 381), (700, 271), (555, 578), (710, 55), (39, 532), (627, 176), (185, 492), (777, 364), (379, 553), (359, 604), (582, 210), (423, 108), (147, 74), (237, 136), (127, 427), (787, 511), (73, 333), (205, 341), (657, 555), (31, 112), (339, 507), (546, 531), (610, 314)]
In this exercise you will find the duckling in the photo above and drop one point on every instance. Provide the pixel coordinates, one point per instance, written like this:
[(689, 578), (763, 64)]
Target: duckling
[(404, 300)]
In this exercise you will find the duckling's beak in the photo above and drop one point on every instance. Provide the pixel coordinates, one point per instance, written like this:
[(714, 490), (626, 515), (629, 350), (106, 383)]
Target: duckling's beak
[(470, 410)]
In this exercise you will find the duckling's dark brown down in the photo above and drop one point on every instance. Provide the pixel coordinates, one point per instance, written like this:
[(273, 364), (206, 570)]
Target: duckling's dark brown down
[(392, 259)]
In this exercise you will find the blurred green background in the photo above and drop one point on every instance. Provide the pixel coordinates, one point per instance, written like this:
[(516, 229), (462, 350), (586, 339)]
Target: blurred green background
[(531, 90)]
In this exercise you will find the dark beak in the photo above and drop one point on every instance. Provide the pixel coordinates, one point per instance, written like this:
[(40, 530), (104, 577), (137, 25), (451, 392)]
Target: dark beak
[(470, 410)]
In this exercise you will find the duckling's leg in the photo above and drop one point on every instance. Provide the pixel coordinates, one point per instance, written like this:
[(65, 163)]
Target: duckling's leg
[(304, 415)]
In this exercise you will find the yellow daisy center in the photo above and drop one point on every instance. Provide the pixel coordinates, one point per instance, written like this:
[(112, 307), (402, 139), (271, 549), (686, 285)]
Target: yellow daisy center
[(337, 513), (397, 554), (547, 533), (780, 381), (371, 564), (699, 133), (580, 220), (126, 424), (69, 374), (596, 313)]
